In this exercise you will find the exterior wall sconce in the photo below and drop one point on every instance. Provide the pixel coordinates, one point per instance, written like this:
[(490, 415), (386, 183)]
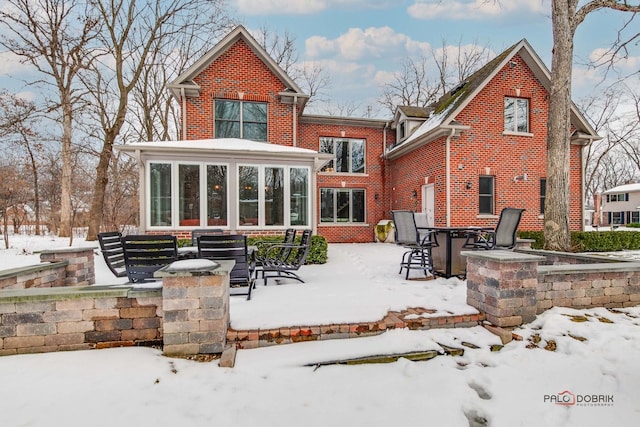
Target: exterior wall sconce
[(414, 194), (469, 185), (375, 196)]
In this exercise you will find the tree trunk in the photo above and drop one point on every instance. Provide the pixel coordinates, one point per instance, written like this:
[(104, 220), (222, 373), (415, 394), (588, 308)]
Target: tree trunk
[(556, 220), (65, 181), (36, 195), (99, 189)]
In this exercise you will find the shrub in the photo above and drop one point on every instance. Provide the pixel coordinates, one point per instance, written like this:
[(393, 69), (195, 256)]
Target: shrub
[(317, 251), (592, 241)]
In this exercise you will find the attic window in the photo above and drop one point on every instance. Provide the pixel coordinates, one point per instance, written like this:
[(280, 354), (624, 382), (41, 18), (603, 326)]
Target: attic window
[(516, 115)]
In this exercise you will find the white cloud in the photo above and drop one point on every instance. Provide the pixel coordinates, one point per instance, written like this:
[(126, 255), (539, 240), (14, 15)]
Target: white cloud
[(303, 7), (10, 64), (474, 9), (285, 7), (358, 44), (604, 57)]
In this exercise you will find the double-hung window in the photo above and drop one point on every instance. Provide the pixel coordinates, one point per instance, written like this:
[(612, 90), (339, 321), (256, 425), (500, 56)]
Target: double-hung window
[(342, 205), (516, 115), (241, 119), (349, 154), (486, 195)]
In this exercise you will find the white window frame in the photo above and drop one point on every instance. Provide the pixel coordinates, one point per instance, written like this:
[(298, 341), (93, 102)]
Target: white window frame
[(261, 196), (514, 130)]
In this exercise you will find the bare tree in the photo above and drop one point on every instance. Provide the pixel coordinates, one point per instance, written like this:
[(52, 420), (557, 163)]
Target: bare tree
[(132, 32), (418, 86), (17, 124), (54, 37), (607, 164), (567, 15)]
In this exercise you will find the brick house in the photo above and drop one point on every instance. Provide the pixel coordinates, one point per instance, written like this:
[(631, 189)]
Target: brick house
[(250, 161)]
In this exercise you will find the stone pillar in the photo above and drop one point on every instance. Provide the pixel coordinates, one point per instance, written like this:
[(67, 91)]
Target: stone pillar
[(81, 268), (503, 285), (195, 303)]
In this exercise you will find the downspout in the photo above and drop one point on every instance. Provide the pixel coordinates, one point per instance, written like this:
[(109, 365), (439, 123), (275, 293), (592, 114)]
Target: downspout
[(448, 175), (295, 120), (184, 113)]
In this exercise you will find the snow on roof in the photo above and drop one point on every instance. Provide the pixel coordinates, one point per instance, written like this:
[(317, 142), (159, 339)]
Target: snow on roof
[(626, 188), (219, 144)]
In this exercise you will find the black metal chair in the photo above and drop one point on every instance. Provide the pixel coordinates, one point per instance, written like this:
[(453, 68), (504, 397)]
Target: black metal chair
[(504, 235), (144, 254), (230, 247), (263, 248), (274, 266), (419, 243), (113, 252)]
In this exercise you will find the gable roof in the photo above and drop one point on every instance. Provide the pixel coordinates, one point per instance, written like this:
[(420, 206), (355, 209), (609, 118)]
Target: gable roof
[(185, 80), (446, 109)]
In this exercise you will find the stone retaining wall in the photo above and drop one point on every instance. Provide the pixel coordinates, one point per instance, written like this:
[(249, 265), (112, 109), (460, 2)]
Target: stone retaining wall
[(592, 285), (512, 287), (60, 267), (74, 318)]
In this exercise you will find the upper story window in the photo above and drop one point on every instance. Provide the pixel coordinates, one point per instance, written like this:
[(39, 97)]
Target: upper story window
[(349, 154), (486, 195), (241, 119), (516, 115), (618, 197)]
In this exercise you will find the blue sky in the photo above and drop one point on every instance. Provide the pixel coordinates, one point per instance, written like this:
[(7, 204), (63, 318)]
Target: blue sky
[(361, 42)]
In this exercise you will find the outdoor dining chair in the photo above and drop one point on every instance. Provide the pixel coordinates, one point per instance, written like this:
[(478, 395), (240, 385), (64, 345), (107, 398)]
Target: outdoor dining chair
[(274, 266), (504, 235), (418, 243), (263, 249), (195, 234), (144, 254), (113, 252), (230, 247)]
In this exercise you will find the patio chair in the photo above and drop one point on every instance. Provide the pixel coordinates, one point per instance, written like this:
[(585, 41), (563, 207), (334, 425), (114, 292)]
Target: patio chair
[(195, 234), (419, 243), (284, 248), (230, 247), (144, 254), (504, 235), (113, 252), (285, 268)]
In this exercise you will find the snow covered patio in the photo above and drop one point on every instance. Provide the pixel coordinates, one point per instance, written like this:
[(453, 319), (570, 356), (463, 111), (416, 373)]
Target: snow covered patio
[(358, 292)]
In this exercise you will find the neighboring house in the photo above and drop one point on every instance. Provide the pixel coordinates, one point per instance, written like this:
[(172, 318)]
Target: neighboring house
[(250, 161), (620, 205)]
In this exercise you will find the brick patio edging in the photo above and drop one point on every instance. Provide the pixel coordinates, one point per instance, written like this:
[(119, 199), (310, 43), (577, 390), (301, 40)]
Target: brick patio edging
[(412, 318)]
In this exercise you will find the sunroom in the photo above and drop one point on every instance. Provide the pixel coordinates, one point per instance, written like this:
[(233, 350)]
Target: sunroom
[(236, 185)]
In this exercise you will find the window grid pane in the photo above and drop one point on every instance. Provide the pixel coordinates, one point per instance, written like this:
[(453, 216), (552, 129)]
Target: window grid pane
[(248, 195), (274, 196), (486, 194), (299, 196), (216, 195), (189, 185), (160, 194)]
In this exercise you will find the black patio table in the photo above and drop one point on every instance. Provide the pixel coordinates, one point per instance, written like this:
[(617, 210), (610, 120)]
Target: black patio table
[(447, 261)]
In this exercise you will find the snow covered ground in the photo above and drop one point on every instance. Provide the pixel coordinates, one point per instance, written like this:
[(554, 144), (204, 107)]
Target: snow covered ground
[(595, 357)]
